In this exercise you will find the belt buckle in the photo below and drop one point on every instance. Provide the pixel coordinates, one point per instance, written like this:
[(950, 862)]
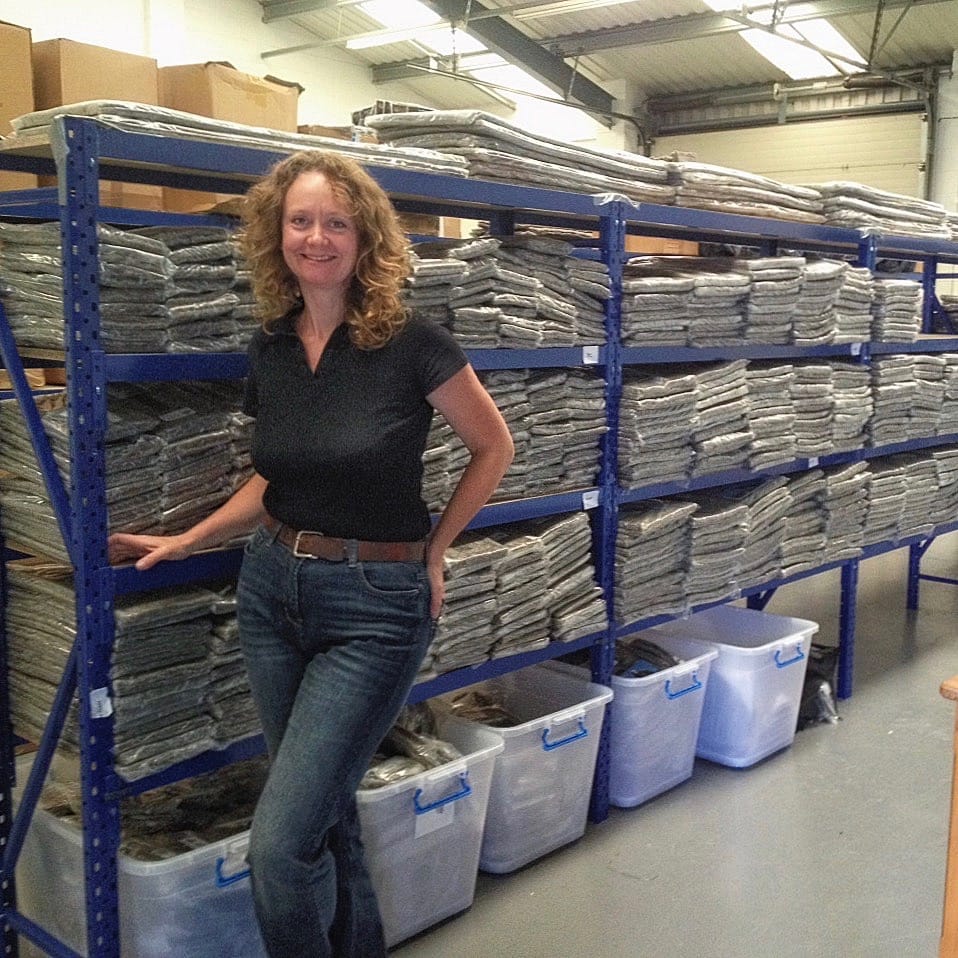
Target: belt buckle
[(299, 535)]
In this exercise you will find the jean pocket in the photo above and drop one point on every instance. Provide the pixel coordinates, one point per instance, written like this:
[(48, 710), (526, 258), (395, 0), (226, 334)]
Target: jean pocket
[(393, 579), (257, 541)]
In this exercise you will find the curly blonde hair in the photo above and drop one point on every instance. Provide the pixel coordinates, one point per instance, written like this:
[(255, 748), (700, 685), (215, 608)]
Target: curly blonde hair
[(374, 307)]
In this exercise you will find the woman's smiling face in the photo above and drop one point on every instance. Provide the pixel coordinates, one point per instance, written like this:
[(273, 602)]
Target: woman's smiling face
[(320, 236)]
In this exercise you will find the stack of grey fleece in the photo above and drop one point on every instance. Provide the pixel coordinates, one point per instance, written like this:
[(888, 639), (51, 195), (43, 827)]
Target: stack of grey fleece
[(521, 292), (464, 633), (853, 306), (521, 622), (856, 206), (803, 546), (948, 419), (845, 505), (516, 588), (886, 499), (771, 414), (720, 432), (161, 289), (893, 393), (776, 288), (896, 311), (160, 672), (929, 401), (918, 514), (768, 504), (201, 306), (496, 150), (717, 548), (652, 559), (946, 502), (852, 396), (813, 398), (717, 309), (655, 309), (814, 321), (656, 416), (707, 187), (575, 603)]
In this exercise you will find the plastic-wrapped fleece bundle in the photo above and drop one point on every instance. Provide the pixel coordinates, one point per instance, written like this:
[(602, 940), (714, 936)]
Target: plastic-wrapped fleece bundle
[(803, 546), (776, 287), (921, 492), (574, 600), (768, 503), (159, 674), (896, 310), (717, 549), (886, 499), (929, 395), (720, 430), (853, 407), (946, 502), (948, 417), (845, 505), (771, 414), (893, 394), (656, 419), (463, 634), (652, 556), (813, 398)]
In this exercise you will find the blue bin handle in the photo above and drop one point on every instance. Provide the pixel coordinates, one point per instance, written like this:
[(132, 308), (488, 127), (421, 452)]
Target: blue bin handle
[(694, 687), (783, 664), (465, 790), (549, 746), (224, 881)]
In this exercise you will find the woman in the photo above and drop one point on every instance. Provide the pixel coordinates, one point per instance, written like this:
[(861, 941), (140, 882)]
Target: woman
[(342, 580)]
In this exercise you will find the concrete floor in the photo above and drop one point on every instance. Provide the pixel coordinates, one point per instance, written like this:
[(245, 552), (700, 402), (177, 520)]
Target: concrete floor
[(834, 846)]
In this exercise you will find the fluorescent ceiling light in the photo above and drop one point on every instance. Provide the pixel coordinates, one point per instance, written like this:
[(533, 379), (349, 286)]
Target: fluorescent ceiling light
[(552, 9), (796, 59), (409, 21)]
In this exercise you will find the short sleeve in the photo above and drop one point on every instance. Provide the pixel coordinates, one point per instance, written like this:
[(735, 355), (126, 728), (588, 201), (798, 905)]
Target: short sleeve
[(440, 356)]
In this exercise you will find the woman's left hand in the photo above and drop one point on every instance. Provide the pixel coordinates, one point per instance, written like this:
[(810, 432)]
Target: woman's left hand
[(437, 583)]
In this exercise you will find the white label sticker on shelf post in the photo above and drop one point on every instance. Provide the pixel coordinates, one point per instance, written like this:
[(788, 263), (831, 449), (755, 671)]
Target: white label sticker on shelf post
[(101, 705), (590, 355), (590, 499)]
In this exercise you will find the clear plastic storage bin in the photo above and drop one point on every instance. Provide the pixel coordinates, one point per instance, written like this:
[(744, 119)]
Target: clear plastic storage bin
[(755, 686), (422, 835), (198, 903), (654, 728), (543, 778)]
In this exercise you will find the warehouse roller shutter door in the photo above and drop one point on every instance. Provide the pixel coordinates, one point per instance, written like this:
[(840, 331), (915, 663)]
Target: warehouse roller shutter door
[(885, 152)]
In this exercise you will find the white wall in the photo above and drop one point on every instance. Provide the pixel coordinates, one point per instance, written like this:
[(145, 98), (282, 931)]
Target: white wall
[(191, 31)]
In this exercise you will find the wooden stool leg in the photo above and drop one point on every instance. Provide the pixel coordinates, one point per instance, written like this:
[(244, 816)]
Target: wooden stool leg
[(948, 947)]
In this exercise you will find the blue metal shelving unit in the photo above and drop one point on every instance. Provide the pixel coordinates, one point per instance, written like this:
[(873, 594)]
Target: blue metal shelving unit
[(88, 150)]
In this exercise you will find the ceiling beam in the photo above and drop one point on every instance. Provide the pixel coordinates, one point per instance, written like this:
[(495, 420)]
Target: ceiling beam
[(517, 48), (702, 25), (281, 9)]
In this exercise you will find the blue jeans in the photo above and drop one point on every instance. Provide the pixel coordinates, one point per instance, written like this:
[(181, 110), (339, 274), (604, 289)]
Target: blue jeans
[(332, 649)]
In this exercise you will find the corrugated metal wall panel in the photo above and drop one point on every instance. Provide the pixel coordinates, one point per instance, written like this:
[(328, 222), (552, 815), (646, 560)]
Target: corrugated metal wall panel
[(887, 152)]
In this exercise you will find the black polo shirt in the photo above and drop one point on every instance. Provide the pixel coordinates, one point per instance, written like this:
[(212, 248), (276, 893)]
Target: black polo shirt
[(342, 447)]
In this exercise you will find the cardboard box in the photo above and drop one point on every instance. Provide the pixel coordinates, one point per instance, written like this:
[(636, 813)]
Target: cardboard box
[(658, 246), (358, 134), (220, 91), (16, 93), (65, 71)]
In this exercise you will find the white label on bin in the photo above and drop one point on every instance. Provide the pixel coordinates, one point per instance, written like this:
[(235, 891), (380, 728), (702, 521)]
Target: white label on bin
[(435, 819), (101, 705)]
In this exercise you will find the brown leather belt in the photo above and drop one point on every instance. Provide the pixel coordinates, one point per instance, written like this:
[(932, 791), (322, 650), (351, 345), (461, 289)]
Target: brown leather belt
[(314, 545)]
